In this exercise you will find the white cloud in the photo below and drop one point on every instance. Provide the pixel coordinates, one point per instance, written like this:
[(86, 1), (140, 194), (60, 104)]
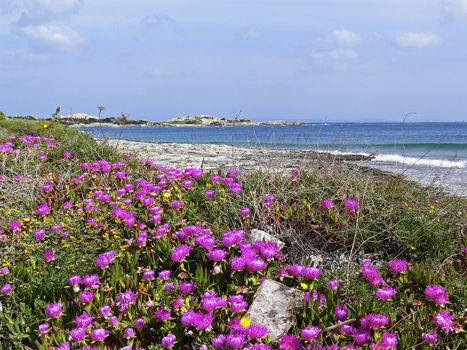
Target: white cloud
[(345, 37), (157, 19), (337, 49), (454, 9), (417, 40), (50, 36), (252, 34)]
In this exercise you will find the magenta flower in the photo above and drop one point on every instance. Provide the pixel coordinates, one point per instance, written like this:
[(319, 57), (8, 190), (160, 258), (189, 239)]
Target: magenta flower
[(311, 273), (86, 296), (148, 275), (218, 342), (91, 281), (289, 342), (99, 334), (333, 284), (235, 341), (398, 266), (6, 289), (162, 314), (42, 209), (165, 274), (255, 265), (179, 253), (125, 299), (46, 187), (104, 260), (105, 311), (341, 312), (84, 320), (186, 287), (217, 255), (430, 338), (327, 204), (43, 328), (388, 341), (168, 341), (437, 294), (113, 321), (237, 263), (309, 332), (385, 293), (4, 271), (360, 336), (351, 204), (244, 212), (77, 334), (237, 303), (139, 323), (48, 255), (443, 320), (129, 333), (232, 238), (53, 310), (209, 194), (256, 331)]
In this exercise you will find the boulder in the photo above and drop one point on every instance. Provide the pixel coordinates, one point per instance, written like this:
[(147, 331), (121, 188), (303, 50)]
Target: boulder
[(274, 307)]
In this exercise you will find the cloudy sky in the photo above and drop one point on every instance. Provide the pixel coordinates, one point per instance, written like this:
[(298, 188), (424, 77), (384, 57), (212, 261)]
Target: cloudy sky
[(357, 60)]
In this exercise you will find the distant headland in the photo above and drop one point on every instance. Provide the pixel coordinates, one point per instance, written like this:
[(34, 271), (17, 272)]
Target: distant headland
[(204, 120)]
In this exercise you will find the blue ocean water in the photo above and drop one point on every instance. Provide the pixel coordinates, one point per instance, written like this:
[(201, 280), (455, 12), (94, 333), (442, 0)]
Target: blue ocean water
[(412, 148)]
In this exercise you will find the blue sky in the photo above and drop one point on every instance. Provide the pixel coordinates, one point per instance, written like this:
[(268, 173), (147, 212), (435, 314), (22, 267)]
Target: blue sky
[(356, 60)]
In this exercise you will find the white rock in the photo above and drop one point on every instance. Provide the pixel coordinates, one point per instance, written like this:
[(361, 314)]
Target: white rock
[(263, 236), (274, 307)]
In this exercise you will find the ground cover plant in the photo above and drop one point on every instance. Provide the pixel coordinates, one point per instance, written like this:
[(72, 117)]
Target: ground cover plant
[(103, 250)]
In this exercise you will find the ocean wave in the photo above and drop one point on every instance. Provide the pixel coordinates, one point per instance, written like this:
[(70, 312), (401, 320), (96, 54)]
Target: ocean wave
[(442, 163)]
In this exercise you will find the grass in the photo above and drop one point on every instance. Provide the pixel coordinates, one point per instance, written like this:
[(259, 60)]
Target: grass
[(395, 218)]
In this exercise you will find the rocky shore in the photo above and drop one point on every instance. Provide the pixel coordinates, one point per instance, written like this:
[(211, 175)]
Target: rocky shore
[(213, 157)]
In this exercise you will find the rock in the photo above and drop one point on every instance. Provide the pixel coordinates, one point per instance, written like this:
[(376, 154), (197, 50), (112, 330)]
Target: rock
[(263, 236), (274, 307)]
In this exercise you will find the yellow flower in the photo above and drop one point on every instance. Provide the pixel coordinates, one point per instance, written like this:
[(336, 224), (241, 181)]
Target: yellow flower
[(45, 126), (166, 195), (304, 286), (245, 322)]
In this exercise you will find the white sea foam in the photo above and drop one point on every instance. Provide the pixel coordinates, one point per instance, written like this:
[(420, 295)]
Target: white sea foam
[(442, 163)]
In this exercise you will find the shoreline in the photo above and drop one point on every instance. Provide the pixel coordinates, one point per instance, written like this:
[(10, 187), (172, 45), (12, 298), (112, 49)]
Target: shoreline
[(221, 157), (249, 159)]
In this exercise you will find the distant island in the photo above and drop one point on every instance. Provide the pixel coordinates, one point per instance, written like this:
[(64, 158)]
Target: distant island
[(87, 120)]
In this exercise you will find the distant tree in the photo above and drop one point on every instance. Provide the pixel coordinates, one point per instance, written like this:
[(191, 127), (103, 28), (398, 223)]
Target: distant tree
[(2, 115), (57, 111), (100, 108), (123, 117)]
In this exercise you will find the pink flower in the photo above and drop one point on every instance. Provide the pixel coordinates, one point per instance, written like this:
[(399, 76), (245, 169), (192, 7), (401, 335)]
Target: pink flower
[(309, 332), (42, 209), (327, 204), (99, 334), (351, 204), (385, 293), (6, 289), (289, 342), (437, 294), (398, 266), (53, 310), (48, 255), (443, 320)]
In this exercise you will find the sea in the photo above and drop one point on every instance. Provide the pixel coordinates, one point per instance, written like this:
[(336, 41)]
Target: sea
[(433, 153)]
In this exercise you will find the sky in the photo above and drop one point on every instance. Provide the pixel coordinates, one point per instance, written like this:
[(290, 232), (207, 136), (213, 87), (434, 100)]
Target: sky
[(304, 60)]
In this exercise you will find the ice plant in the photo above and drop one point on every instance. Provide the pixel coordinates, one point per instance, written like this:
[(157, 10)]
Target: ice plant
[(398, 266), (309, 332), (437, 294), (385, 293), (53, 310), (289, 342)]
